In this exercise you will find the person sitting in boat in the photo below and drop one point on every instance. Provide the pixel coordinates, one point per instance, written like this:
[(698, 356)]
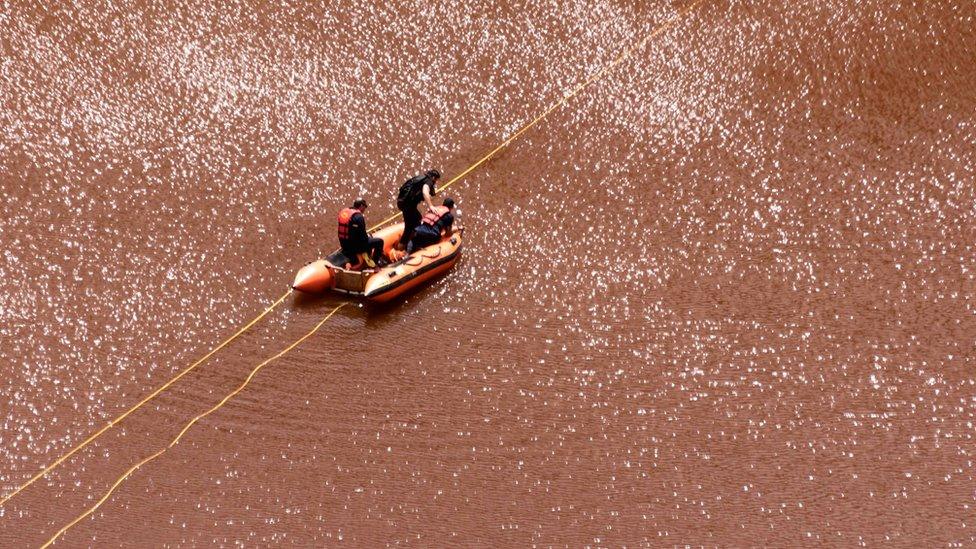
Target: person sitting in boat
[(356, 244), (414, 191), (439, 219)]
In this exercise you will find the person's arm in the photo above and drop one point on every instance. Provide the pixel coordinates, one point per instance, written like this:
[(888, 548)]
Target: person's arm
[(426, 191), (452, 225), (357, 228)]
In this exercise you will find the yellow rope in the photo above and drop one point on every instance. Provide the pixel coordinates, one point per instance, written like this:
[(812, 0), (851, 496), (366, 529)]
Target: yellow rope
[(152, 395), (223, 401), (627, 53)]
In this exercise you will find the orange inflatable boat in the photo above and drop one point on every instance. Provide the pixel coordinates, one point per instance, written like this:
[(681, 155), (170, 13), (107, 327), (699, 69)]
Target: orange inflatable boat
[(336, 272)]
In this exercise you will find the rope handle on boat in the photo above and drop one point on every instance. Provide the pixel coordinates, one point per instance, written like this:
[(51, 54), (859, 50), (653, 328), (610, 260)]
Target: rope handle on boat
[(432, 256)]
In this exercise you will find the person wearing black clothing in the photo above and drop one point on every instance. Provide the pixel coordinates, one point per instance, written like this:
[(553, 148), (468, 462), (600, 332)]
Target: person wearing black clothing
[(438, 219), (414, 191), (353, 238)]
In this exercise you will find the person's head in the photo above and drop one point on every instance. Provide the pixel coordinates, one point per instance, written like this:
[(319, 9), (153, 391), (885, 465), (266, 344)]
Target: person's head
[(449, 203), (360, 204)]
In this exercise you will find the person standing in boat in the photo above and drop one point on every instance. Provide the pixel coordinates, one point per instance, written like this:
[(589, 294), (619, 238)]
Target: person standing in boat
[(353, 238), (439, 219), (414, 191)]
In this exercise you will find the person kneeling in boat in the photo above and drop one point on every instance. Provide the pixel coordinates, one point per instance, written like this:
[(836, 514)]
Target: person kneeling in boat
[(439, 218), (354, 240)]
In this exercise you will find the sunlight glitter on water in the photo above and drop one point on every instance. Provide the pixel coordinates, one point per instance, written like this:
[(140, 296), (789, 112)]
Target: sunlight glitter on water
[(722, 297)]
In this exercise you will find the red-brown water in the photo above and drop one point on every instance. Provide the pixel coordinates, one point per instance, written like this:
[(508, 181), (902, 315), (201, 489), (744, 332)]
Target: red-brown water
[(722, 297)]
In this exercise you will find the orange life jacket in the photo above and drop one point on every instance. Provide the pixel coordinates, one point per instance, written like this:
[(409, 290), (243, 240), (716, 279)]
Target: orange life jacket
[(345, 216), (432, 217)]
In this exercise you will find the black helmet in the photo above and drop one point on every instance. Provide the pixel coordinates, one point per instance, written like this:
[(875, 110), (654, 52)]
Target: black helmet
[(448, 202), (360, 203), (433, 174)]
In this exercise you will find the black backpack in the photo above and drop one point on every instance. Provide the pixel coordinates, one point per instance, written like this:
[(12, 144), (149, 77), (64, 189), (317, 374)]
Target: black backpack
[(410, 190)]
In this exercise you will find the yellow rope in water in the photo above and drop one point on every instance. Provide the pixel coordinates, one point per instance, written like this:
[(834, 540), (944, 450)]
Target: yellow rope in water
[(152, 395), (223, 401), (627, 53)]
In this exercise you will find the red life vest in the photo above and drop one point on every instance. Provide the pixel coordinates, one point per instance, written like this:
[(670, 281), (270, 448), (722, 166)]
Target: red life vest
[(345, 216), (432, 217)]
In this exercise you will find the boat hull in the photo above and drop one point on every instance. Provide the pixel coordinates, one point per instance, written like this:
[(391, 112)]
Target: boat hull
[(380, 285), (415, 270), (316, 277)]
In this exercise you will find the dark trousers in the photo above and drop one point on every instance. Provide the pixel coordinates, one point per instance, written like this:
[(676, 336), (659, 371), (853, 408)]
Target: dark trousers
[(423, 237), (373, 247), (411, 219)]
